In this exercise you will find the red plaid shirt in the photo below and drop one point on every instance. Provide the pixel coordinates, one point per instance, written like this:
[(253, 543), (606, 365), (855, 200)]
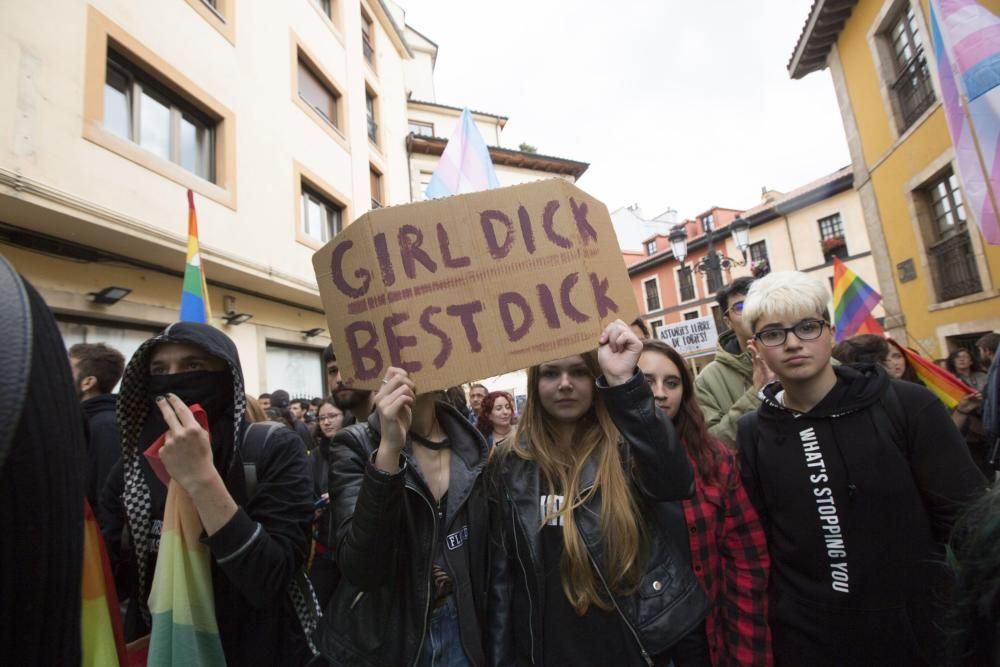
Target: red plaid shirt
[(729, 555)]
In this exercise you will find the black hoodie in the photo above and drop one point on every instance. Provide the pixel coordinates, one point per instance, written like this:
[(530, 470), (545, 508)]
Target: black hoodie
[(856, 508), (259, 552), (104, 443)]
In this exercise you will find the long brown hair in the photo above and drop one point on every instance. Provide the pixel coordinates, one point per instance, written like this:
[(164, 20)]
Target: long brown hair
[(595, 436), (254, 412), (909, 374), (690, 422), (483, 422)]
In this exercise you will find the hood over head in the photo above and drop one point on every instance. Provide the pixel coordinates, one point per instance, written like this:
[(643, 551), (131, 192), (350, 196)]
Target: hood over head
[(134, 408)]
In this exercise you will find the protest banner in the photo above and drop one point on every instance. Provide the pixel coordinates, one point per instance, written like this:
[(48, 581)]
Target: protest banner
[(467, 287), (691, 338)]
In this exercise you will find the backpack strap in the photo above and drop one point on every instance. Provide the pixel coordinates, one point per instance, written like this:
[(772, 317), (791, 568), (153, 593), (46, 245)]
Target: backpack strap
[(16, 333), (891, 419), (252, 450), (300, 588)]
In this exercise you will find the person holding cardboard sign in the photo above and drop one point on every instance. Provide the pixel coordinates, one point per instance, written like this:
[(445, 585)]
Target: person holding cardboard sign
[(590, 565), (409, 507)]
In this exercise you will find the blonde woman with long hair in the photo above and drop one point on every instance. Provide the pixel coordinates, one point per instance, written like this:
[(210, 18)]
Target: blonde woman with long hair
[(591, 563)]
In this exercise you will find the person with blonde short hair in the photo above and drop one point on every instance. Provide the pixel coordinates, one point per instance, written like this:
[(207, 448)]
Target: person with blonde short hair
[(858, 479)]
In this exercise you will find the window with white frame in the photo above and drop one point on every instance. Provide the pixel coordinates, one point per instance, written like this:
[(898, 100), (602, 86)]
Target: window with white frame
[(651, 247), (318, 93), (326, 6), (421, 129), (651, 288), (425, 181), (321, 218), (714, 281), (685, 279), (371, 115), (911, 86), (949, 247), (299, 371), (139, 109)]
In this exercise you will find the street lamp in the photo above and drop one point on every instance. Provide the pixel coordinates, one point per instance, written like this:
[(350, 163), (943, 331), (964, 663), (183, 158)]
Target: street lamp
[(713, 260)]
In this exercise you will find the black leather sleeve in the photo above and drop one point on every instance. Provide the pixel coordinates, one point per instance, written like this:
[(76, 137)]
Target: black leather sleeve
[(499, 603), (658, 461), (366, 506)]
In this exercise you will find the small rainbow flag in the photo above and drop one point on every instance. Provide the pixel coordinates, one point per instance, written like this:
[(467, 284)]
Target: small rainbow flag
[(181, 599), (103, 641), (465, 164), (194, 295), (943, 384), (853, 301)]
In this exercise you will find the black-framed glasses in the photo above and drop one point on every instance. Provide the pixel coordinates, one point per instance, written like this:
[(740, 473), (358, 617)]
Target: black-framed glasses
[(735, 308), (804, 330)]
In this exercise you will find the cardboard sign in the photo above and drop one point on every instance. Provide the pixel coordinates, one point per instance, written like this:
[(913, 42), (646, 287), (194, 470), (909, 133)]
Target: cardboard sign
[(471, 286), (691, 338)]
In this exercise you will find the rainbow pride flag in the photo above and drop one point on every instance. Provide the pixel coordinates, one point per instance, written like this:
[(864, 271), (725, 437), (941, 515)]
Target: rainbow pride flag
[(943, 384), (966, 38), (853, 301), (100, 618), (465, 164), (194, 295), (181, 599)]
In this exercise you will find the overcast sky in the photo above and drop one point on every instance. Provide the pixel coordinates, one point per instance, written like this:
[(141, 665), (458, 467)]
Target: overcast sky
[(672, 102)]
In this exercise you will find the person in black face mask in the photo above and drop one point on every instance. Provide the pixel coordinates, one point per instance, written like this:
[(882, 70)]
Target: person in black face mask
[(258, 537)]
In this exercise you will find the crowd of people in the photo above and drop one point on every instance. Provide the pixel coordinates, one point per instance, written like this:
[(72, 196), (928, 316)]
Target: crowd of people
[(795, 503)]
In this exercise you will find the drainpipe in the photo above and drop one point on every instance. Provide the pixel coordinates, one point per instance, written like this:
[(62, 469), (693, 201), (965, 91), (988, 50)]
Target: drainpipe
[(409, 164), (791, 242)]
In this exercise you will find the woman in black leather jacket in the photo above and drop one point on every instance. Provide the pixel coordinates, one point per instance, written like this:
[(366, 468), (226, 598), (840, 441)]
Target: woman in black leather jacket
[(590, 564), (411, 534)]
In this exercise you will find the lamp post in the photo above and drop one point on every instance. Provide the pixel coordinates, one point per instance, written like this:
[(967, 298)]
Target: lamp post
[(713, 260)]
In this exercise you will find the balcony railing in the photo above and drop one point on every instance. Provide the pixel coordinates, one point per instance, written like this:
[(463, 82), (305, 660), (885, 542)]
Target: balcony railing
[(955, 266), (913, 89)]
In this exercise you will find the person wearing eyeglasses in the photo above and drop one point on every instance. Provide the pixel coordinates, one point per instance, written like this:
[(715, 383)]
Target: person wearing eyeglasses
[(323, 571), (728, 387), (858, 480)]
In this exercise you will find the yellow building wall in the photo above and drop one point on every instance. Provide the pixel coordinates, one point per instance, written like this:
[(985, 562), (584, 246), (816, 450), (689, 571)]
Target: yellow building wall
[(893, 163)]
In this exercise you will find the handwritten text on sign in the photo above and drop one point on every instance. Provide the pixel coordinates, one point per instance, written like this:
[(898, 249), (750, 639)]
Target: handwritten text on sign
[(691, 338), (470, 286)]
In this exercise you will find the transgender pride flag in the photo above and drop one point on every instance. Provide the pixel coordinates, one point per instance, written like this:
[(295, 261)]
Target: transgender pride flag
[(966, 39), (194, 293), (465, 165)]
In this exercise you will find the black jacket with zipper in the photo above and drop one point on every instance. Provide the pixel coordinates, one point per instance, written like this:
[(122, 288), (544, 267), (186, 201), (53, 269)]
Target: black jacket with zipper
[(857, 508), (385, 528), (104, 443), (668, 602)]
